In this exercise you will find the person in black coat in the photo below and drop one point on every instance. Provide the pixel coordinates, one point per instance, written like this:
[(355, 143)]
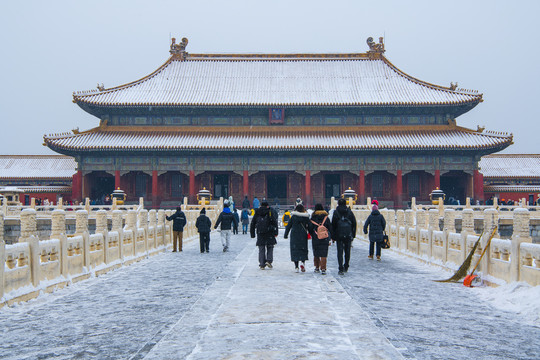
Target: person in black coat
[(245, 203), (264, 225), (227, 221), (320, 246), (299, 226), (179, 221), (376, 224), (204, 226), (343, 233), (237, 218)]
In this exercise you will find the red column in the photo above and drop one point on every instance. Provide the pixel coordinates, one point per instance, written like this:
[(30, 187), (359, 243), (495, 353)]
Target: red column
[(154, 189), (245, 180), (437, 179), (478, 186), (192, 186), (76, 186), (399, 190), (308, 188), (362, 187), (116, 179)]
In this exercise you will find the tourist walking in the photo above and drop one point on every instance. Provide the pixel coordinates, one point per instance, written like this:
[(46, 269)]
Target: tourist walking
[(244, 217), (320, 238), (179, 221), (264, 225), (376, 224), (245, 203), (237, 218), (299, 226), (226, 222), (204, 225), (343, 232), (256, 203)]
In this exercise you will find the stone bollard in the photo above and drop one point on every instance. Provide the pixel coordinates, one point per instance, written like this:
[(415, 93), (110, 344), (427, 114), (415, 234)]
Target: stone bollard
[(81, 222), (521, 234), (467, 222), (449, 220), (28, 224), (58, 223)]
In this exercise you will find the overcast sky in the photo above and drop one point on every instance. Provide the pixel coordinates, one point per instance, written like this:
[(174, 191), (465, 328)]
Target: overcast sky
[(52, 48)]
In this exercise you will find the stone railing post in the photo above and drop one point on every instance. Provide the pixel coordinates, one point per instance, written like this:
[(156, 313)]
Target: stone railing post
[(449, 220), (28, 224), (101, 227), (421, 223), (143, 223), (131, 220), (1, 230), (34, 260), (491, 220), (433, 225), (81, 222), (152, 225), (467, 222), (2, 265), (117, 227), (58, 223), (400, 223), (165, 240), (521, 234)]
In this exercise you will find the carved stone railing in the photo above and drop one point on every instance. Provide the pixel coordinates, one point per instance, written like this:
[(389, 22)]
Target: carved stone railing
[(431, 236), (33, 265)]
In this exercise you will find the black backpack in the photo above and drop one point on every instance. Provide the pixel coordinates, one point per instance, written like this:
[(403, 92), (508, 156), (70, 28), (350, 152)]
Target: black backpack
[(344, 228), (264, 224)]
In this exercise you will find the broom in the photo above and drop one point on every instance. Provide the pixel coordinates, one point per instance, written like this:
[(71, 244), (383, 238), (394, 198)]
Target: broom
[(462, 271), (469, 278)]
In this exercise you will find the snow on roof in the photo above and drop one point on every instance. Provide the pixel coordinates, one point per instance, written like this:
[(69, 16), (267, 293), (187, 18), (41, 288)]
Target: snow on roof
[(512, 188), (44, 189), (277, 80), (37, 166), (279, 138), (510, 165)]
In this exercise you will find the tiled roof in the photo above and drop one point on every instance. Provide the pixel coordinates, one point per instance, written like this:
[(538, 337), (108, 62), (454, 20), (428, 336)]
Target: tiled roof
[(510, 165), (43, 189), (512, 188), (279, 139), (37, 167), (277, 80)]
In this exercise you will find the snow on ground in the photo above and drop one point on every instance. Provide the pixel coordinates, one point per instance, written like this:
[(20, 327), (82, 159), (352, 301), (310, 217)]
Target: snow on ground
[(220, 305)]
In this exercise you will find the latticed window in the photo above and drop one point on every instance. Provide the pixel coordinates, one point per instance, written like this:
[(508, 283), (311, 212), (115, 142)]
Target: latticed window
[(140, 184), (332, 185), (413, 185), (377, 185), (176, 185)]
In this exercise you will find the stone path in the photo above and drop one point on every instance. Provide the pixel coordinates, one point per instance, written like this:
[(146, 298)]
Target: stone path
[(220, 305)]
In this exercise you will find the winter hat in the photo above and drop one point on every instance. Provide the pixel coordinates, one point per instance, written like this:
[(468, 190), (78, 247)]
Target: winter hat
[(226, 203), (203, 211), (375, 201), (374, 207)]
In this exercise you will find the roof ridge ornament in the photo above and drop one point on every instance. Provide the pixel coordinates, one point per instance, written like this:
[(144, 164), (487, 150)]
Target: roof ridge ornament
[(375, 50), (179, 50)]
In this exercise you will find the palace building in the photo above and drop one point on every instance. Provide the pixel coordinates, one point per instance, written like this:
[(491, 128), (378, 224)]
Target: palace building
[(277, 126)]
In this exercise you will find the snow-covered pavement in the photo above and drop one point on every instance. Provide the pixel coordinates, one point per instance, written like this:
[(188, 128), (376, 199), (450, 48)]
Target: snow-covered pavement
[(220, 305)]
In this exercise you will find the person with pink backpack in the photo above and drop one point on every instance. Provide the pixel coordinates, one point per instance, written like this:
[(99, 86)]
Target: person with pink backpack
[(320, 236)]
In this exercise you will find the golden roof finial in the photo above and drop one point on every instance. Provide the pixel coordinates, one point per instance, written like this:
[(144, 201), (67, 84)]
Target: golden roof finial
[(374, 47), (179, 49)]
